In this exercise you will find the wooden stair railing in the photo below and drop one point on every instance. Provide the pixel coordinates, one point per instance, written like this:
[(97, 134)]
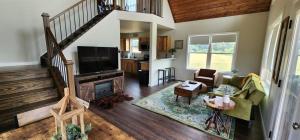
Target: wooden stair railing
[(73, 22), (60, 68)]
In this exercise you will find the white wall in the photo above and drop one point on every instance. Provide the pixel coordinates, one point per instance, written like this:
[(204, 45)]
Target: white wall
[(251, 29), (22, 35), (105, 34)]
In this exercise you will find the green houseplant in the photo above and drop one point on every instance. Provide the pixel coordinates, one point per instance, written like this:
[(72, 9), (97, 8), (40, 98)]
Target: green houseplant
[(172, 51), (74, 133)]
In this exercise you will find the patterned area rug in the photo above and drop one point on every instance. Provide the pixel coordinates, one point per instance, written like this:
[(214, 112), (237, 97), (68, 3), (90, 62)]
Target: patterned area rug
[(195, 114)]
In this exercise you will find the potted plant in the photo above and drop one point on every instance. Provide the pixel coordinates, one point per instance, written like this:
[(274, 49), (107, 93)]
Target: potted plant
[(172, 51), (74, 133)]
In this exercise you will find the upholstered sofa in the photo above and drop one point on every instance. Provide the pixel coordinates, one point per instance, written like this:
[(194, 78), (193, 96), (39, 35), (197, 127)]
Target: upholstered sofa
[(246, 92)]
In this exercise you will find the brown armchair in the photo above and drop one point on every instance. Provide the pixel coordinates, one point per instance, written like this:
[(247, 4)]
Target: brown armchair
[(206, 76)]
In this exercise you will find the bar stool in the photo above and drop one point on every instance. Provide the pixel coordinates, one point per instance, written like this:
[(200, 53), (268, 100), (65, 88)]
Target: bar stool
[(170, 74), (163, 71)]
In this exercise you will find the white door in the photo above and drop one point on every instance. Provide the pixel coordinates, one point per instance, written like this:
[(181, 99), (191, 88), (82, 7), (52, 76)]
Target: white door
[(288, 122)]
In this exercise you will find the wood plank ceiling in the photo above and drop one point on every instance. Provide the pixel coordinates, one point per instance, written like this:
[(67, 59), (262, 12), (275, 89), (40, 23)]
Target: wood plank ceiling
[(189, 10)]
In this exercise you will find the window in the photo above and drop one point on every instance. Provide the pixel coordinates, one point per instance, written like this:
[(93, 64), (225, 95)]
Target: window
[(131, 5), (134, 45), (212, 51)]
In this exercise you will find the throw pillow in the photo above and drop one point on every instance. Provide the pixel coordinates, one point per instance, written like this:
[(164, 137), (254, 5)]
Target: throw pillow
[(237, 81), (242, 94)]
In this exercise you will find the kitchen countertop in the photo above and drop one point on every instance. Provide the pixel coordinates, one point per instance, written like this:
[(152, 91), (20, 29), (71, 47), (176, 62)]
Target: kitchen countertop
[(136, 59)]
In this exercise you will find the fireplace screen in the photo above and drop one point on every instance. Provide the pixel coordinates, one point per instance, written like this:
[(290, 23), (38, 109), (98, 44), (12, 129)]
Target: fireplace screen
[(103, 89)]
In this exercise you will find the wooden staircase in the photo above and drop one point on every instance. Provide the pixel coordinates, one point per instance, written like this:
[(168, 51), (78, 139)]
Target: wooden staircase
[(24, 89), (73, 22)]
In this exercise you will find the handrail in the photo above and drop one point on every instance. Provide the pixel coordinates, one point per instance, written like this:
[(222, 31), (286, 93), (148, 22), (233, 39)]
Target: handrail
[(71, 7), (56, 46), (73, 18)]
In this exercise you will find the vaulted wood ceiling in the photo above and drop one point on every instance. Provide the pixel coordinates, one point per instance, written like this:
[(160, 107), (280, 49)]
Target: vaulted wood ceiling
[(189, 10)]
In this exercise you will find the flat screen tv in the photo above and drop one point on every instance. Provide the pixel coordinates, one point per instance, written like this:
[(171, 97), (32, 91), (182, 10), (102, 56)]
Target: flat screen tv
[(97, 59)]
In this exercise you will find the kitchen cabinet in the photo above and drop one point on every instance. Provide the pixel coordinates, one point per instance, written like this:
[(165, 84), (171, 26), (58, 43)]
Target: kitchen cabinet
[(129, 66), (125, 44), (163, 46)]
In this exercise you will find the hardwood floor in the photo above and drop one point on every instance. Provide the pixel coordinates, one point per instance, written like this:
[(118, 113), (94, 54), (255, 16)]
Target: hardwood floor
[(44, 130), (143, 124)]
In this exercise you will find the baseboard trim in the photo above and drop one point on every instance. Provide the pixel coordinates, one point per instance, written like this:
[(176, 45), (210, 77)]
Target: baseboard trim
[(19, 64), (263, 125)]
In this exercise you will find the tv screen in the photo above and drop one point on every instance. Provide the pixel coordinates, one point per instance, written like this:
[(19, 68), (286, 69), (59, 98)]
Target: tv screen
[(97, 59)]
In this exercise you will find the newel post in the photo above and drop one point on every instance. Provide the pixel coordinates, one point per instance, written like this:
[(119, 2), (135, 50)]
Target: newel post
[(71, 82), (115, 4), (46, 23)]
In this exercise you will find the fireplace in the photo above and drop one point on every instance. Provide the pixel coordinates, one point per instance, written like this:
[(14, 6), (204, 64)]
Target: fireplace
[(104, 89)]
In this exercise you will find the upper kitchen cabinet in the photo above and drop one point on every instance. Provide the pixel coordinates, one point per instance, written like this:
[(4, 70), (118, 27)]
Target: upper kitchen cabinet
[(163, 46), (125, 44)]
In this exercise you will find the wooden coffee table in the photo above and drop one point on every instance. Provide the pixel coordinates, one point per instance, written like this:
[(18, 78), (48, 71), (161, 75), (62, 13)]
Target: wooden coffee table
[(189, 90), (215, 117)]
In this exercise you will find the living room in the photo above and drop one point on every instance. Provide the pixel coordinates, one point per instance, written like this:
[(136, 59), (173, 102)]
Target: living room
[(149, 69)]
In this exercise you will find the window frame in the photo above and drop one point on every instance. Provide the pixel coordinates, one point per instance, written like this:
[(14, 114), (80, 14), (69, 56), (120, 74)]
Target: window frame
[(131, 48), (209, 53)]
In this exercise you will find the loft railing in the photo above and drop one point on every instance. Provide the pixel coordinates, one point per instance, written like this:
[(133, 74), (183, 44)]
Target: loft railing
[(142, 6), (70, 20), (73, 18)]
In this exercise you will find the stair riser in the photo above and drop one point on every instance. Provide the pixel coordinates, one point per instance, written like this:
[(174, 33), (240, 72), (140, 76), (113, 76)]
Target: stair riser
[(17, 102), (16, 87), (22, 75)]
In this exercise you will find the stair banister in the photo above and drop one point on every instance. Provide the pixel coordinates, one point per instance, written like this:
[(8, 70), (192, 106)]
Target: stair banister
[(59, 67)]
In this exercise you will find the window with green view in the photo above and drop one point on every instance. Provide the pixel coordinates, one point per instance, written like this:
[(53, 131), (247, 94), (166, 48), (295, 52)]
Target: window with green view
[(212, 51)]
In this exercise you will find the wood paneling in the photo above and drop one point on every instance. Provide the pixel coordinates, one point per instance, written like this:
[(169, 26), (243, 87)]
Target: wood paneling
[(189, 10)]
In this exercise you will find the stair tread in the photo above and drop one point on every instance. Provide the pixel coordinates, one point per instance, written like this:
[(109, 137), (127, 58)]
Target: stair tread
[(6, 76), (21, 68), (24, 85), (27, 97)]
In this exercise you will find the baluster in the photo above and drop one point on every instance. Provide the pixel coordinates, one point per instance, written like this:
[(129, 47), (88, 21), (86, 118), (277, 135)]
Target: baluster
[(87, 13), (54, 26), (82, 13), (66, 30), (74, 18), (65, 74), (91, 9), (60, 28), (95, 7), (79, 18), (70, 22)]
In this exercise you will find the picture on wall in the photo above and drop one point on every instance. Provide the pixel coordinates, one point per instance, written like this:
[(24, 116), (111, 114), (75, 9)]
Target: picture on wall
[(280, 49), (178, 44)]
